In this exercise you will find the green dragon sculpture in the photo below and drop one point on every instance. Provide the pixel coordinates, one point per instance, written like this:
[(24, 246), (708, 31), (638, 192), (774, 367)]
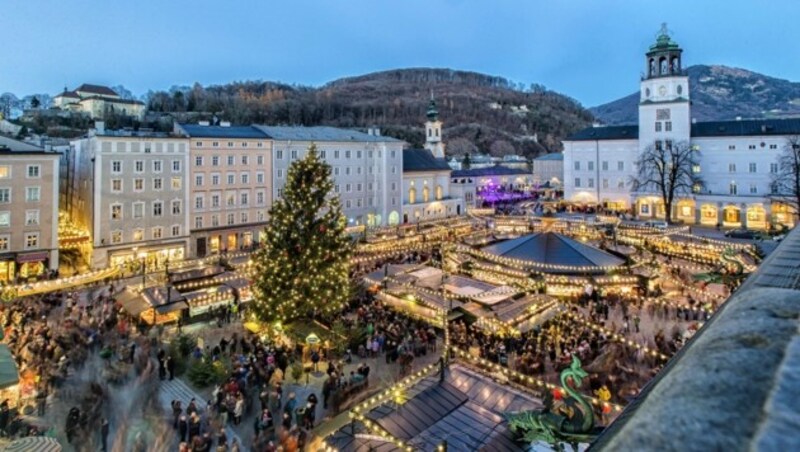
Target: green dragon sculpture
[(722, 273), (555, 428)]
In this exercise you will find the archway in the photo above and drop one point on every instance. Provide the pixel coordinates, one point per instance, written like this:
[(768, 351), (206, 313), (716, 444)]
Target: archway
[(756, 217), (731, 216), (412, 195), (782, 214), (708, 215), (684, 211)]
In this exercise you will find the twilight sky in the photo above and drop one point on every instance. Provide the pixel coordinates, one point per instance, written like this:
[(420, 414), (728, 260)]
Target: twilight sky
[(591, 50)]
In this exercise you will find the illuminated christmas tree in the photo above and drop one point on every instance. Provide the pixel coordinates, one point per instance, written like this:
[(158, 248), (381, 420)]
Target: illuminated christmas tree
[(302, 267)]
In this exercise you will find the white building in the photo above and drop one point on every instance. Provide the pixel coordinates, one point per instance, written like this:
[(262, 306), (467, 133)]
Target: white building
[(367, 168), (426, 177), (98, 101), (549, 168), (737, 158), (130, 191)]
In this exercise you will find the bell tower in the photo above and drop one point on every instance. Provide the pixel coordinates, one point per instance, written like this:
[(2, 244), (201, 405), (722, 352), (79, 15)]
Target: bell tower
[(664, 108), (433, 130)]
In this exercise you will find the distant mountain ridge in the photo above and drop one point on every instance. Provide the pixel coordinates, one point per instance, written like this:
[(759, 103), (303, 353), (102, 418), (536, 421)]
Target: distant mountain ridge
[(719, 93)]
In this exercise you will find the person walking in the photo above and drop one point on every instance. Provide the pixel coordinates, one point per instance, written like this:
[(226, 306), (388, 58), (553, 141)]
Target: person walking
[(238, 409)]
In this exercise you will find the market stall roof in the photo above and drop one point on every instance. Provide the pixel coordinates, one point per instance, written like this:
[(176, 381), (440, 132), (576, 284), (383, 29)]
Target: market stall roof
[(550, 248), (132, 302), (9, 374), (466, 410), (34, 444), (195, 274)]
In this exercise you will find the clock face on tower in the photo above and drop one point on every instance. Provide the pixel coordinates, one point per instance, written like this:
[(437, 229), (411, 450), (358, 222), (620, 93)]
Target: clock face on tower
[(662, 90)]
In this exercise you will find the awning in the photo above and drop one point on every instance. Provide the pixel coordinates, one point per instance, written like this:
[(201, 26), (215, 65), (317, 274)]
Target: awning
[(9, 374), (33, 257), (132, 303), (34, 444), (172, 307)]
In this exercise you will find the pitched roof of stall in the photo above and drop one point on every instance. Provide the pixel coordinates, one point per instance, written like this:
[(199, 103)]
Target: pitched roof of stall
[(417, 160), (553, 249)]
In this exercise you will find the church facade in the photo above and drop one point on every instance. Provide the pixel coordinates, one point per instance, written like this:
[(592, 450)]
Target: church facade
[(426, 177), (737, 159)]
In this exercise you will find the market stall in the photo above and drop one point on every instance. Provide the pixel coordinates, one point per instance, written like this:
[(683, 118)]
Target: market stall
[(10, 388)]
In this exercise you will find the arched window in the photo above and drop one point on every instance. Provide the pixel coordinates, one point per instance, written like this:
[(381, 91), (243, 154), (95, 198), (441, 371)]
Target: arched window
[(676, 65), (663, 64), (430, 132), (426, 193), (439, 192), (412, 195), (653, 71)]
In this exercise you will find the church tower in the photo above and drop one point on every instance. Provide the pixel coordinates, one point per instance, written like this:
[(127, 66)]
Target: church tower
[(433, 131), (664, 108)]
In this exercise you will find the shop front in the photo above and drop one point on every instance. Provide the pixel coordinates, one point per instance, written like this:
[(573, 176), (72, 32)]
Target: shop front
[(685, 211), (708, 215), (8, 268), (32, 265), (153, 258), (782, 214), (756, 217), (731, 217)]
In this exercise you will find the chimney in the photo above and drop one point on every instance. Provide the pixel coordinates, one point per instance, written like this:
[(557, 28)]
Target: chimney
[(100, 127), (225, 124), (203, 123)]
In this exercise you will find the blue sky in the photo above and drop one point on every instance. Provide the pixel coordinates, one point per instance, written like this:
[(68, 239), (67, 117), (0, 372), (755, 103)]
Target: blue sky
[(591, 50)]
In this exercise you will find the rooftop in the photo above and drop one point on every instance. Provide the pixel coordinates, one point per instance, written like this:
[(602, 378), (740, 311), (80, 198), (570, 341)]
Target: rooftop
[(549, 248), (11, 146), (496, 170), (96, 89), (550, 156), (321, 133), (418, 160), (734, 128), (244, 132)]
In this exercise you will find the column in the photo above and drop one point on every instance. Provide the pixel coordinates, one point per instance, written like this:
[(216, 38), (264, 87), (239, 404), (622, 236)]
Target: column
[(720, 213), (743, 215)]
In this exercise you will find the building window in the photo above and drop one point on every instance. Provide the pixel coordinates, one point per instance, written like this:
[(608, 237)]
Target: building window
[(773, 146), (245, 178), (231, 160), (751, 147), (176, 207), (34, 171), (347, 188), (260, 198), (231, 200), (668, 126), (359, 187), (347, 155), (138, 210), (259, 159), (773, 168), (591, 182), (230, 144), (280, 173), (198, 160), (215, 144), (336, 171), (5, 195), (138, 235), (157, 232), (176, 230), (605, 183), (322, 154), (116, 211), (591, 166), (138, 166), (244, 218), (753, 167), (259, 178), (231, 219), (231, 178), (214, 221), (214, 201), (696, 188), (198, 222), (577, 165), (5, 172), (659, 145), (279, 155), (244, 198), (577, 182), (198, 202), (347, 171), (32, 194), (156, 166), (215, 179), (245, 160), (116, 167), (731, 147), (31, 240), (347, 204), (138, 184), (774, 188), (620, 183), (5, 219), (336, 188), (176, 166), (658, 126), (116, 185), (116, 237), (731, 167), (753, 189), (158, 183), (215, 160), (732, 188), (176, 183), (158, 208), (198, 180), (695, 168), (31, 217), (294, 154), (336, 154), (620, 165), (605, 165)]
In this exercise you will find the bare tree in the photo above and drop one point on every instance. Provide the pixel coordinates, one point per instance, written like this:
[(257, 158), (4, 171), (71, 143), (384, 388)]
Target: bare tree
[(786, 182), (668, 169)]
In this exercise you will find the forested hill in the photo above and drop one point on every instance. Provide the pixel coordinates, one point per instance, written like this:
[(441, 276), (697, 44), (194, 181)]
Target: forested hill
[(480, 112)]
